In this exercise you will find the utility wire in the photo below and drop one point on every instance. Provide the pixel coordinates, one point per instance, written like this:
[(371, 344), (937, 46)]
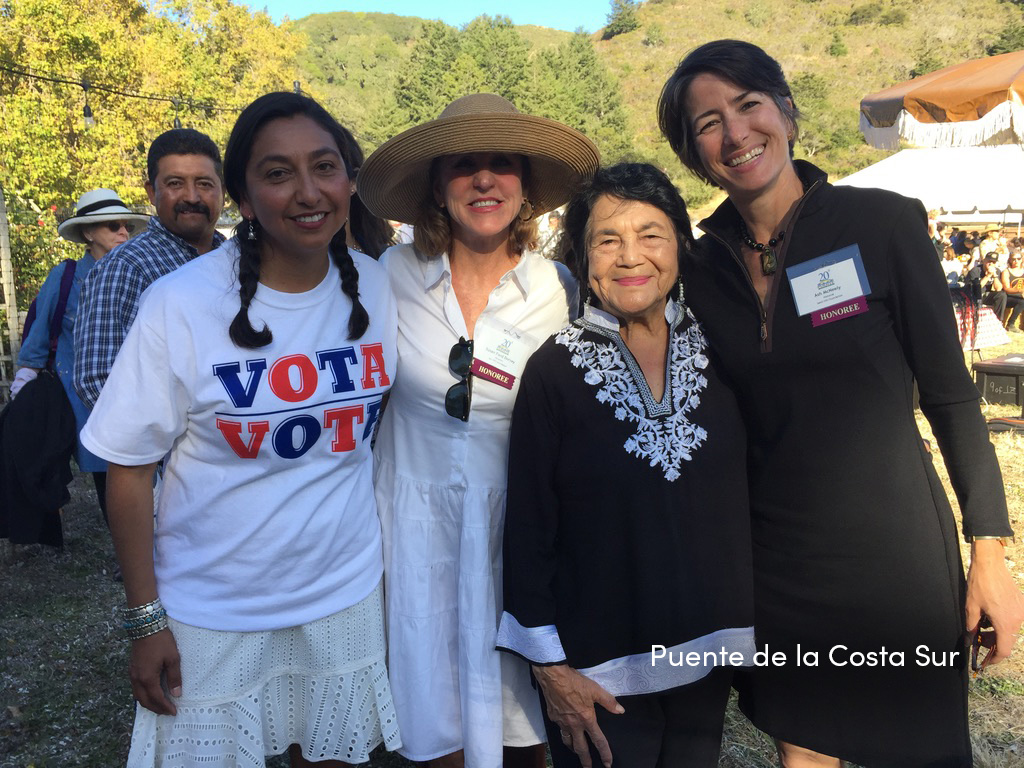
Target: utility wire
[(87, 85)]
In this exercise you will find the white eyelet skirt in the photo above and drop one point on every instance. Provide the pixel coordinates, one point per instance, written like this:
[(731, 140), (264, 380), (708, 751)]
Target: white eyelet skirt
[(245, 695)]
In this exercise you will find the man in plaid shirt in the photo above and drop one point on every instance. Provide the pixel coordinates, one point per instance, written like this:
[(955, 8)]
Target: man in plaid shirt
[(186, 187)]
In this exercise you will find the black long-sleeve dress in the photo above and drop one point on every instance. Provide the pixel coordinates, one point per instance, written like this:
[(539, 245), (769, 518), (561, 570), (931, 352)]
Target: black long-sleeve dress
[(854, 540), (627, 522)]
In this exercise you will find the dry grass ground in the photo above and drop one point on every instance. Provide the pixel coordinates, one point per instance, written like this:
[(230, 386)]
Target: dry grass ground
[(64, 694)]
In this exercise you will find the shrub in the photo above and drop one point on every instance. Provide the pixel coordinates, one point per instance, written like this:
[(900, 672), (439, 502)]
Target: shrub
[(654, 36), (837, 47), (757, 15), (894, 17), (864, 14)]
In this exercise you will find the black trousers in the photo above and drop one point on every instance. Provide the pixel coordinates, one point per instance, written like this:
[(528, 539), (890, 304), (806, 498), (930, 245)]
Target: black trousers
[(679, 728), (996, 300), (1016, 304)]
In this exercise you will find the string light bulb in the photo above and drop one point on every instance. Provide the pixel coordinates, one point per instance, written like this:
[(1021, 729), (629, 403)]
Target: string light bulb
[(87, 111)]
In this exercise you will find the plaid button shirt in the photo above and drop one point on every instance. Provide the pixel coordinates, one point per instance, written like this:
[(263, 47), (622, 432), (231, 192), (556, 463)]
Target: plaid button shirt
[(110, 300)]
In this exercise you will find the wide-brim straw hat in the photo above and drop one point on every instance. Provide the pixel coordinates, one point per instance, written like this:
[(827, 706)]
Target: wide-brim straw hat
[(394, 182), (95, 207)]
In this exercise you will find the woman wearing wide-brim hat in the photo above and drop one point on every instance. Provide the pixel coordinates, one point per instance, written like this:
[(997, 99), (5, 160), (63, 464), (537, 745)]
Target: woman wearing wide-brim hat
[(474, 301), (101, 222)]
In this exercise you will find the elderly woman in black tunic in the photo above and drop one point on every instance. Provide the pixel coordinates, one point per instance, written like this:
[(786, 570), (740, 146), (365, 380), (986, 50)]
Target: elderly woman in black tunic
[(826, 305), (627, 543)]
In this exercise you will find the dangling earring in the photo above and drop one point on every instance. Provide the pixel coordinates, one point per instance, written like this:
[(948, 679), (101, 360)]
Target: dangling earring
[(586, 301), (252, 230), (526, 211), (681, 300)]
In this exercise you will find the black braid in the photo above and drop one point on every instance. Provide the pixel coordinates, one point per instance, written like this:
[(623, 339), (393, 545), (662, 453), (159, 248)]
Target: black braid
[(359, 320), (241, 331), (373, 234)]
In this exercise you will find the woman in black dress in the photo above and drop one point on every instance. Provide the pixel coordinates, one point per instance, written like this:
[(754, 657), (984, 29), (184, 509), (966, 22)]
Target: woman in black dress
[(627, 538), (826, 305)]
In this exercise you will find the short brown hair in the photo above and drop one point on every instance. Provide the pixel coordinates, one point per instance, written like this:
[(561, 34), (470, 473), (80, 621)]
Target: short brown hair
[(741, 63)]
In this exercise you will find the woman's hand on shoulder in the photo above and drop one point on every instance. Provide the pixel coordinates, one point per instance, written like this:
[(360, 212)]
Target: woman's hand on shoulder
[(156, 671), (570, 699), (991, 590)]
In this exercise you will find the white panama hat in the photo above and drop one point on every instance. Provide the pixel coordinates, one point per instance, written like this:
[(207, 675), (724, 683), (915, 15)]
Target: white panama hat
[(94, 207)]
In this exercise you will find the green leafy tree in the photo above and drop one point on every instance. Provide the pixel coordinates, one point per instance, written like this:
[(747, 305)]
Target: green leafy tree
[(621, 19), (500, 53), (355, 60), (575, 87), (210, 55), (824, 128), (419, 94), (1010, 39)]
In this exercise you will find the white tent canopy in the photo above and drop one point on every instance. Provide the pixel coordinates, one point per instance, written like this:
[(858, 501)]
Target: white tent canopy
[(964, 184)]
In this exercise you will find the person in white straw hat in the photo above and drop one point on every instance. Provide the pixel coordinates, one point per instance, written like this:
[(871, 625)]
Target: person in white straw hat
[(474, 301), (100, 222), (96, 222)]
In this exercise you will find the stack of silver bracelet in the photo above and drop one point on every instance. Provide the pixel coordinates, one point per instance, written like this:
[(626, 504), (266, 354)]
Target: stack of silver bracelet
[(144, 620)]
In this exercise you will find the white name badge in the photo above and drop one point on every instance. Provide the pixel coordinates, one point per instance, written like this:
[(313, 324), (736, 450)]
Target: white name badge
[(833, 280), (500, 351)]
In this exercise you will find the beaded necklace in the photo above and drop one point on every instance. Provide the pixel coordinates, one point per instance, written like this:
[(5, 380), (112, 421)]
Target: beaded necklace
[(768, 261)]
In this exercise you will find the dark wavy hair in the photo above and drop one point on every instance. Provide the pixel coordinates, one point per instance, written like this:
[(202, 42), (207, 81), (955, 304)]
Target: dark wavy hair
[(626, 181), (372, 233), (273, 106), (741, 63)]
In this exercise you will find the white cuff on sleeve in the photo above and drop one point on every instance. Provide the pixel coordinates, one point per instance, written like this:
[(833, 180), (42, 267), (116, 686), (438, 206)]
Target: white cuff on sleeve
[(538, 645)]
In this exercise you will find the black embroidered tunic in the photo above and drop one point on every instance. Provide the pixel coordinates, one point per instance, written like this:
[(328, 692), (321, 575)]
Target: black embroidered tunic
[(627, 523)]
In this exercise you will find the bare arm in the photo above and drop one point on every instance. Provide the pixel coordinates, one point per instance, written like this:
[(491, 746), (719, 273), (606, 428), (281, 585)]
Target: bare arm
[(154, 660), (1006, 277), (991, 590)]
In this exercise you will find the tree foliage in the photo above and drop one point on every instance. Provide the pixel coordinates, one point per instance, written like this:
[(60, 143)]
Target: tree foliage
[(576, 88), (823, 128), (568, 83), (621, 19), (201, 53), (1010, 39)]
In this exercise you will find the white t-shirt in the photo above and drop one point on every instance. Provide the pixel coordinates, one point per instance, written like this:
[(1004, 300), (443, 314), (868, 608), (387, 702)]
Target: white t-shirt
[(266, 516)]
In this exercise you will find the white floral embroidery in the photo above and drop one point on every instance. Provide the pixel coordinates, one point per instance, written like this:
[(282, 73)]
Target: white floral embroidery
[(664, 435)]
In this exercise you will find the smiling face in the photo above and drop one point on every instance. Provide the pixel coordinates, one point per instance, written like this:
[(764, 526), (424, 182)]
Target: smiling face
[(483, 194), (296, 187), (632, 257), (742, 137), (188, 196)]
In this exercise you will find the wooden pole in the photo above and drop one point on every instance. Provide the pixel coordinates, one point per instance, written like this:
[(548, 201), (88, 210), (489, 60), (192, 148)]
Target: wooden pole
[(10, 303)]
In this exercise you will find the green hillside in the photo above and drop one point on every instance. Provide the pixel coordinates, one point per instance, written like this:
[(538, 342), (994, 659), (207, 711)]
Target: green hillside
[(353, 61), (833, 52)]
